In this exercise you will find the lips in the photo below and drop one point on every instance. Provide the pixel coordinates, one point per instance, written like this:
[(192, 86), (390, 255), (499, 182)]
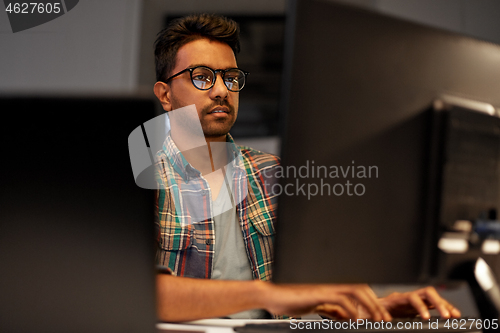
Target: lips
[(219, 110)]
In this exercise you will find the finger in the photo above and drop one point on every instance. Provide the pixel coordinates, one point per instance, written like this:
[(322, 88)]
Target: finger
[(455, 313), (332, 311), (346, 303), (418, 304), (385, 313), (445, 309), (369, 301)]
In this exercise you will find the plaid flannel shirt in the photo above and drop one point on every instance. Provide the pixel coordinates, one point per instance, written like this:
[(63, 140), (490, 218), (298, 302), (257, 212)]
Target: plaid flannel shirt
[(185, 241)]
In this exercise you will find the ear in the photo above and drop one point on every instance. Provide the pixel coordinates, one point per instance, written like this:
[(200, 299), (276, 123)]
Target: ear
[(162, 92)]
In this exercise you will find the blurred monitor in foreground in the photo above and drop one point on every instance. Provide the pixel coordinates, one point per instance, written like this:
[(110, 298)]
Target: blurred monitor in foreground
[(365, 196), (76, 232)]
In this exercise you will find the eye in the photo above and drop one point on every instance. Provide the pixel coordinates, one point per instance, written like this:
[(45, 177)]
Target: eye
[(201, 77), (201, 74), (231, 78)]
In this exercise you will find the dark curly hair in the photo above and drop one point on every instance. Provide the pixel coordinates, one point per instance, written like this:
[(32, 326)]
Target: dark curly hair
[(187, 29)]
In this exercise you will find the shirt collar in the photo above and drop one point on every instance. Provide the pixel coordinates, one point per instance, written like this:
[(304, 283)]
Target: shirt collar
[(186, 170)]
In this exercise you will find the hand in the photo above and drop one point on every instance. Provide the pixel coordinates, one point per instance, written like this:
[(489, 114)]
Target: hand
[(337, 301), (418, 302)]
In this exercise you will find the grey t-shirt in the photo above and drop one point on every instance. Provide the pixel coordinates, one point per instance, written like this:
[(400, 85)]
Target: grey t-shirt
[(230, 259)]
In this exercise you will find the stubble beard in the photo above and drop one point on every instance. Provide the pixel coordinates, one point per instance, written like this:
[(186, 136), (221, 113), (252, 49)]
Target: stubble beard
[(217, 127)]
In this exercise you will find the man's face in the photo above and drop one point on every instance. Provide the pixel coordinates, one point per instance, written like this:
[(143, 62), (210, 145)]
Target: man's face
[(209, 103)]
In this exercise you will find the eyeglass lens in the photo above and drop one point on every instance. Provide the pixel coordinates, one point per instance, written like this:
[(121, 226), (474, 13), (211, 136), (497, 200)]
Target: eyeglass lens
[(204, 78)]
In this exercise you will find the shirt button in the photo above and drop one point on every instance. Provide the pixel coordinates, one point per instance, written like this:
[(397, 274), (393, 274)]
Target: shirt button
[(207, 242)]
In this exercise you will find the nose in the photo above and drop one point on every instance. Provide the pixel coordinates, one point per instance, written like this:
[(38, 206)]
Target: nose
[(219, 90)]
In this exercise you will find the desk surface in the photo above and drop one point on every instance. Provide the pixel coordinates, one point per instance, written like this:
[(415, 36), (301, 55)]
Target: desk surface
[(209, 325)]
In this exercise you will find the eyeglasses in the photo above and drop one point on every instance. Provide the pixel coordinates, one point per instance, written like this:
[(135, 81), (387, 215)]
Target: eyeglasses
[(203, 77)]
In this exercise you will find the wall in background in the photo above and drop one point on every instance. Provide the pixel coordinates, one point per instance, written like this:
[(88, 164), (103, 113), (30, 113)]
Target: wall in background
[(93, 48), (106, 45), (476, 18)]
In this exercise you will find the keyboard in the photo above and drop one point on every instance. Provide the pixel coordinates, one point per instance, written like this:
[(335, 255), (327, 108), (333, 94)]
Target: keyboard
[(406, 325)]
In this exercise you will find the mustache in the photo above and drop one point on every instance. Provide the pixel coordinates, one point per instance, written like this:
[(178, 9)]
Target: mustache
[(219, 102)]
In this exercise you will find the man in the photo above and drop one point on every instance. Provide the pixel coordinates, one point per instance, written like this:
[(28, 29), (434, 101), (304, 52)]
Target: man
[(219, 251)]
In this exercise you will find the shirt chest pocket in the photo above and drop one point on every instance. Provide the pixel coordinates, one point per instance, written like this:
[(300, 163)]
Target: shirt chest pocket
[(174, 237), (263, 224)]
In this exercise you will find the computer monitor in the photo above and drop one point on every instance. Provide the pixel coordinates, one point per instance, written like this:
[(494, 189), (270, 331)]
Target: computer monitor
[(76, 232), (356, 151)]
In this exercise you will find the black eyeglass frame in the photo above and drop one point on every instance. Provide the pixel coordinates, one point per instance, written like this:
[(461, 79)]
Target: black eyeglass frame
[(215, 71)]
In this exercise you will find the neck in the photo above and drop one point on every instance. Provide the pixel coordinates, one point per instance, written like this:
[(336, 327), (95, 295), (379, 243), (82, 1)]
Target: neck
[(221, 138), (206, 155)]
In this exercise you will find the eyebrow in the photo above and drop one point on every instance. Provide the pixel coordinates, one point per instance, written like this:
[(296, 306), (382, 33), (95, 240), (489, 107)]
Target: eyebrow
[(196, 65)]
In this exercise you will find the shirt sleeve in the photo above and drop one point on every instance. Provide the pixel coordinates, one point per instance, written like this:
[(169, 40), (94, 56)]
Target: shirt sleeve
[(163, 270)]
